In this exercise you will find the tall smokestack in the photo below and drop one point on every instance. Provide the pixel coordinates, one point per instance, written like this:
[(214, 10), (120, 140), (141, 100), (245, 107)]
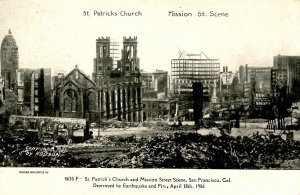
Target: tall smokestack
[(197, 103)]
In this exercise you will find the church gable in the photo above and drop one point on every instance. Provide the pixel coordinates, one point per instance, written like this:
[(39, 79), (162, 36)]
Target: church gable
[(79, 79), (76, 95), (70, 84)]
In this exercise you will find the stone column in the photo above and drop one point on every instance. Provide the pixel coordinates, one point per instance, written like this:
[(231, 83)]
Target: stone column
[(124, 98), (82, 103), (104, 104), (141, 114), (137, 104), (113, 103), (99, 104), (121, 99), (129, 103), (96, 104), (140, 106), (134, 105), (119, 102), (116, 101), (109, 112)]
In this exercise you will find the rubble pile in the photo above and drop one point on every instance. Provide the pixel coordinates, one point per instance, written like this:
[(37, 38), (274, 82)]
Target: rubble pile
[(115, 123), (179, 150), (26, 151), (110, 123), (111, 141), (191, 150), (157, 125)]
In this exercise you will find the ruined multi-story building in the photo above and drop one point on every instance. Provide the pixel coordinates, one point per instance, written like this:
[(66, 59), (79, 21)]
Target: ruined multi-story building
[(9, 61), (254, 80), (34, 91), (278, 81), (111, 93), (155, 84), (262, 76), (292, 66), (226, 78), (155, 96), (192, 68), (159, 108)]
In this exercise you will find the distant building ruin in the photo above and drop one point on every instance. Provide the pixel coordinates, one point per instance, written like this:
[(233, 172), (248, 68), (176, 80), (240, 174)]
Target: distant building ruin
[(34, 91), (292, 66), (156, 100)]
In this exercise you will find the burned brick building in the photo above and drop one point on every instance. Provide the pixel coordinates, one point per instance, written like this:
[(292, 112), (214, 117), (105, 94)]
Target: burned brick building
[(278, 81), (113, 92), (292, 66), (156, 100), (155, 84), (34, 91)]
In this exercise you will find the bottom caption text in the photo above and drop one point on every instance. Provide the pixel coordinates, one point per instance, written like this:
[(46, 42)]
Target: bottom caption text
[(151, 183)]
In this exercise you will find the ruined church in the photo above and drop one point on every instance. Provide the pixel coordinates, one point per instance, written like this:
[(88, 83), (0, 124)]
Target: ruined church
[(112, 92)]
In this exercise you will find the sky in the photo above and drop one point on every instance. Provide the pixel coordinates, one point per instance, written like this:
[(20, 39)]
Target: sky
[(55, 34)]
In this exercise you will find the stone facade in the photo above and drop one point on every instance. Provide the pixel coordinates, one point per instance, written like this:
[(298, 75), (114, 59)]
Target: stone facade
[(75, 96), (118, 90), (9, 61)]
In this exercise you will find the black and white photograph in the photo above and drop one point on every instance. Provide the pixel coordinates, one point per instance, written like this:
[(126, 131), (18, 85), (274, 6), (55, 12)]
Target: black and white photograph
[(173, 95)]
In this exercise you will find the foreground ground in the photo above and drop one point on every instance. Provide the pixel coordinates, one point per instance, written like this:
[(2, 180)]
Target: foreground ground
[(140, 147)]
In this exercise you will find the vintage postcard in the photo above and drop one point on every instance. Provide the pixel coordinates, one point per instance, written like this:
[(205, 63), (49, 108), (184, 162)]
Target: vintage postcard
[(152, 97)]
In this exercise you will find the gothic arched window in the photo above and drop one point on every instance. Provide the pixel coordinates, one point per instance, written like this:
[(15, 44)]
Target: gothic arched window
[(67, 105), (70, 101)]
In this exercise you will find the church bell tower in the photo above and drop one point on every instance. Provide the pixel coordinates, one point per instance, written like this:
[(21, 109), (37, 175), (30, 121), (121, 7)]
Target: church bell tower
[(9, 61)]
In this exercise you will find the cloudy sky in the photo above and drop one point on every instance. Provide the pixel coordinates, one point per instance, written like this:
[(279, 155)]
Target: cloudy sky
[(55, 34)]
